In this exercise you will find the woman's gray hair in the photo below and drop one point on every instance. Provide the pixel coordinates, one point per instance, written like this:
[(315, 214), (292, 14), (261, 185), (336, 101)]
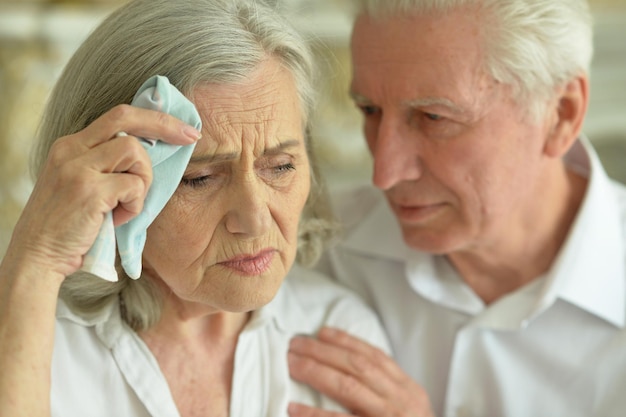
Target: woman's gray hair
[(535, 46), (191, 42)]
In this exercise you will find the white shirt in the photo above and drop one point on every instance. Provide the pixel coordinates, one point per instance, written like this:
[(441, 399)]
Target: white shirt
[(556, 347), (102, 368)]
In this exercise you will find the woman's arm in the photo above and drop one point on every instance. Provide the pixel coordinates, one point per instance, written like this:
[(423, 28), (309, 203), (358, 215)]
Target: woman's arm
[(27, 307), (86, 175)]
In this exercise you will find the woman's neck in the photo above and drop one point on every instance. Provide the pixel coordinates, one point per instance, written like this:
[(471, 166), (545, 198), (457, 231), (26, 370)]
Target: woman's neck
[(195, 348), (184, 320)]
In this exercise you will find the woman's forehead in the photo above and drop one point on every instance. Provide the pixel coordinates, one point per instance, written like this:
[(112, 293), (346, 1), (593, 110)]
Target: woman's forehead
[(267, 88), (261, 113), (216, 154)]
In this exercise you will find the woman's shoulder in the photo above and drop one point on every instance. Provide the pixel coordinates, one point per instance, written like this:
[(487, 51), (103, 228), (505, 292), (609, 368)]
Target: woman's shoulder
[(316, 301), (99, 357), (88, 337)]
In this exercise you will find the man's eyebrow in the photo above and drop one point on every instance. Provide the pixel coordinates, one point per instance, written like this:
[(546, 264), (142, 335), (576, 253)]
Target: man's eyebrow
[(422, 102), (224, 157), (437, 101), (359, 99)]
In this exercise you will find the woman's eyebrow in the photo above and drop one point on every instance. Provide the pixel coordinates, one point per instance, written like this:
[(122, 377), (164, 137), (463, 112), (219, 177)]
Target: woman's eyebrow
[(224, 157), (281, 147), (213, 158)]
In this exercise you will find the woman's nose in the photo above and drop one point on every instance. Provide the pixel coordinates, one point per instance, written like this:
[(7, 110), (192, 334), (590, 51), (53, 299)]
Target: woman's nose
[(249, 214)]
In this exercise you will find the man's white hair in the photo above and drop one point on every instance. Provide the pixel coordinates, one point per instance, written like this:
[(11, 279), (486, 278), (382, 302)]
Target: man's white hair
[(535, 46)]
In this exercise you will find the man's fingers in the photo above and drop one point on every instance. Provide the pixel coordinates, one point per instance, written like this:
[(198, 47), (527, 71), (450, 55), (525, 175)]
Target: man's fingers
[(342, 387), (357, 375), (344, 340), (139, 122), (301, 410), (366, 366)]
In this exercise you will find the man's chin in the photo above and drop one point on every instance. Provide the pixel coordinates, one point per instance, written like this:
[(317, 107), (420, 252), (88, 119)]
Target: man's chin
[(430, 241)]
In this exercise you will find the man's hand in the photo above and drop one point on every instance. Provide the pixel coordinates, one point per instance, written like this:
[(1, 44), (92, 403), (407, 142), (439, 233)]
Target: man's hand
[(357, 375)]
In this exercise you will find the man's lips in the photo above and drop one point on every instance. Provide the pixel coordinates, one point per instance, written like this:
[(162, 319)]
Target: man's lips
[(251, 265), (416, 213)]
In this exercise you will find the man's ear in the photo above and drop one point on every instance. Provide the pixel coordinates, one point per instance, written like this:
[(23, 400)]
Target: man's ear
[(570, 111)]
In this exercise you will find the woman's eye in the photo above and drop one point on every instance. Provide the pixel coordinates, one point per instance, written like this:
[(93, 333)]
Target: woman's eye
[(285, 167), (275, 171), (195, 182)]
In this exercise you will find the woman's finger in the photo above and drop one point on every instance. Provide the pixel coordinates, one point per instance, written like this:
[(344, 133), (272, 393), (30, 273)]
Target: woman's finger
[(138, 122), (120, 154), (76, 189)]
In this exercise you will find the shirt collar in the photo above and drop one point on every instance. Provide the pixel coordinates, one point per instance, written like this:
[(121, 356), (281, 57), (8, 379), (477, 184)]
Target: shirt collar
[(107, 321), (589, 270), (284, 311)]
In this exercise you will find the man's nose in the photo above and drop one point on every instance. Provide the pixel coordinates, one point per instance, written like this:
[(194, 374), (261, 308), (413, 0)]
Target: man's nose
[(249, 214), (396, 156)]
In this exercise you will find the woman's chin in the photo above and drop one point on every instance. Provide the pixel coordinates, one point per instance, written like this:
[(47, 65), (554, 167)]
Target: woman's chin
[(244, 297)]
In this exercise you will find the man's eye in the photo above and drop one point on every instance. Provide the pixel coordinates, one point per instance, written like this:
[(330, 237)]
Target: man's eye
[(433, 117), (369, 110)]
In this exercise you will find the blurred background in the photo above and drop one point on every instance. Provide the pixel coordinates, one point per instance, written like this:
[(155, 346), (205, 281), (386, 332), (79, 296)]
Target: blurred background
[(37, 37)]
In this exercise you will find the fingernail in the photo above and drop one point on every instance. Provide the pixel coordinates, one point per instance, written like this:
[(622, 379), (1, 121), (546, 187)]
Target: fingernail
[(192, 133)]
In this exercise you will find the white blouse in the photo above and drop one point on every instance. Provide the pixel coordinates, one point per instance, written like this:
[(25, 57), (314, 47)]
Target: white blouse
[(102, 368)]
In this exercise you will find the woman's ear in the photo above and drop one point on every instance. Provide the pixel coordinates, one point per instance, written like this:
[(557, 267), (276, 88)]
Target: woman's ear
[(570, 114)]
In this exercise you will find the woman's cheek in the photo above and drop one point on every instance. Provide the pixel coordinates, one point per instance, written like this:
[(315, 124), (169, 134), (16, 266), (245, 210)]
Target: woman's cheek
[(178, 226)]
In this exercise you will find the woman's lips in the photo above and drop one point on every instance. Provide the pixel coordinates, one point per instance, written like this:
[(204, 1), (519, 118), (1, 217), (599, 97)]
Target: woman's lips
[(251, 264)]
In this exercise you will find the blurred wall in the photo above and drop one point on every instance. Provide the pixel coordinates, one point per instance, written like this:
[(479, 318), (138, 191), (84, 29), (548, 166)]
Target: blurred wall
[(38, 36)]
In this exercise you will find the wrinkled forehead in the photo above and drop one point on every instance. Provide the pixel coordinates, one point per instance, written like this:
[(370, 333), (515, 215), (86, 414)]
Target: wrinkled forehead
[(260, 112)]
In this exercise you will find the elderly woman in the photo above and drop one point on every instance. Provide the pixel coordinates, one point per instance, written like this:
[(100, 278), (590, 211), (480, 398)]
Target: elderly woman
[(205, 330)]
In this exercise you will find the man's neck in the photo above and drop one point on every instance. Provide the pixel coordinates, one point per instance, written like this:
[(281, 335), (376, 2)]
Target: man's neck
[(528, 249)]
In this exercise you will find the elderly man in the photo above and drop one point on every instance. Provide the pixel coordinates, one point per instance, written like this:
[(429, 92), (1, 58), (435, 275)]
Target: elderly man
[(497, 261)]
